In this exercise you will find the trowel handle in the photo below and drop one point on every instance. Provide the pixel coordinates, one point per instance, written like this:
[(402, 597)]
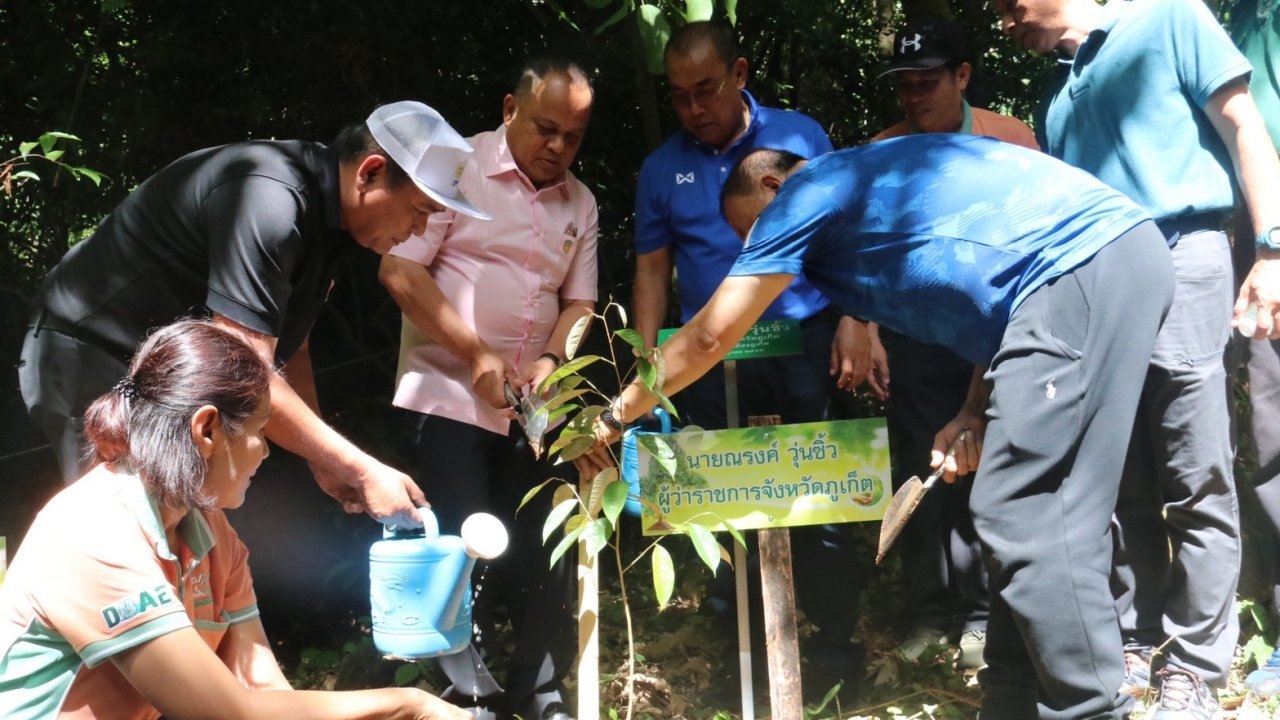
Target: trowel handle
[(951, 452)]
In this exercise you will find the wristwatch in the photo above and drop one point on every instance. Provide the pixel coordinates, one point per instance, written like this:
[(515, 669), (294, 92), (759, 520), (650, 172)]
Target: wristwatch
[(1269, 238)]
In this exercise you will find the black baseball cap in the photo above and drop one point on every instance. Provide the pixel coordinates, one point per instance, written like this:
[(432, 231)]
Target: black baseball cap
[(927, 43)]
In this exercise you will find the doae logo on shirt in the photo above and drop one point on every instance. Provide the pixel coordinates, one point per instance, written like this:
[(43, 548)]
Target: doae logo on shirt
[(131, 606), (682, 178)]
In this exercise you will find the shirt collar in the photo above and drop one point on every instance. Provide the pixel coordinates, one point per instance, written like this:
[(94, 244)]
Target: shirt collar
[(502, 161), (1108, 15), (193, 528)]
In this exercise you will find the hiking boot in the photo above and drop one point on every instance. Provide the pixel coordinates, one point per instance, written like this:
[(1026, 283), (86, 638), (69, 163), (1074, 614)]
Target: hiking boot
[(1137, 673), (972, 645), (1184, 696), (1265, 681), (922, 639)]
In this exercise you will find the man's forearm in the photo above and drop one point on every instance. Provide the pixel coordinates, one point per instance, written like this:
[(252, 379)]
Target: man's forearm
[(422, 302), (651, 294), (296, 428), (1236, 118)]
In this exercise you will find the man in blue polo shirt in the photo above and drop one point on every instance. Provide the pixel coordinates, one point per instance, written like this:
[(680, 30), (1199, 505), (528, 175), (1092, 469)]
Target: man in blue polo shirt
[(1020, 264), (679, 226), (1152, 98)]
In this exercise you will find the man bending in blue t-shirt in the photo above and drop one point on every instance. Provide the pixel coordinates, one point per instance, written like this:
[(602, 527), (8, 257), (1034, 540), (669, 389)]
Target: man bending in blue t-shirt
[(1024, 266)]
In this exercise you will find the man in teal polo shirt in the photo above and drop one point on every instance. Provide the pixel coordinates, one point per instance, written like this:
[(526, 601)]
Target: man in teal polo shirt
[(1151, 97)]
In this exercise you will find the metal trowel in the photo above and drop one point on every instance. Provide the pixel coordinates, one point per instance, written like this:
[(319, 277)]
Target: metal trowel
[(904, 503)]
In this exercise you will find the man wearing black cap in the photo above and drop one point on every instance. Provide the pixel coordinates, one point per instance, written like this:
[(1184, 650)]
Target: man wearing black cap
[(252, 235), (941, 558)]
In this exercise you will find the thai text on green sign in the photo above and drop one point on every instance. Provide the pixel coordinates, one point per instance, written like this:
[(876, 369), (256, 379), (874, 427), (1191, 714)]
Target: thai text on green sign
[(769, 338), (760, 477)]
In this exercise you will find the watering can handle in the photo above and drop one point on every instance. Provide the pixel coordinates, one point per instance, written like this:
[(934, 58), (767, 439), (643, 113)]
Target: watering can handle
[(430, 526), (664, 418)]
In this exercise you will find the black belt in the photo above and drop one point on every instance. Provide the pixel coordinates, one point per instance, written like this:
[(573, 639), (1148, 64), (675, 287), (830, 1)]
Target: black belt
[(1175, 227)]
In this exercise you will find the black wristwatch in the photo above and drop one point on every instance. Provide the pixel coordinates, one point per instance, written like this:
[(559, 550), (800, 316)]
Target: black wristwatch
[(608, 418), (1269, 239)]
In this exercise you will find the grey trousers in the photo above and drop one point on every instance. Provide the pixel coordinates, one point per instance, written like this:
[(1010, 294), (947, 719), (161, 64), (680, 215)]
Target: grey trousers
[(1065, 386), (1177, 522), (1264, 398)]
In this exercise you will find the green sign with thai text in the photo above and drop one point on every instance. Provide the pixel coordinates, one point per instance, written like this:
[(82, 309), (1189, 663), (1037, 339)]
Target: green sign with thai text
[(768, 338), (762, 477)]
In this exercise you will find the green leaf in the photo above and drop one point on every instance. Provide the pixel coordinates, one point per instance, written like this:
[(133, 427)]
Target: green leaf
[(647, 373), (408, 674), (560, 398), (704, 541), (615, 498), (559, 413), (578, 447), (595, 498), (1256, 650), (53, 155), (695, 10), (731, 11), (93, 175), (557, 516), (576, 333), (25, 174), (654, 33), (631, 337), (596, 537), (24, 149), (567, 542), (532, 491), (623, 10), (664, 575), (622, 311), (53, 136), (660, 448), (567, 369)]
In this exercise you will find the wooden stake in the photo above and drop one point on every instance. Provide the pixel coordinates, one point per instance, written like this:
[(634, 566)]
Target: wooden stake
[(779, 597)]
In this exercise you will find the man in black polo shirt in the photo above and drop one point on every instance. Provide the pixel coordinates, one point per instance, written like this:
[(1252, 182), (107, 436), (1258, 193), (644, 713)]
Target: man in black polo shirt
[(249, 234)]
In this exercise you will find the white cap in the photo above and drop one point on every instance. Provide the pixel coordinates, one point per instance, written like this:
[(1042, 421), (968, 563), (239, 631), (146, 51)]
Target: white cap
[(484, 536), (433, 154)]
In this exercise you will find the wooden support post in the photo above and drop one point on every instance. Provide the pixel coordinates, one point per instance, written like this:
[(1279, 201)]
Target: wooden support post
[(779, 597)]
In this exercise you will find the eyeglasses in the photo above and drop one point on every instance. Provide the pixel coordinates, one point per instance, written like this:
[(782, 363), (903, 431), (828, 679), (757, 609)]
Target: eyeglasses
[(702, 96)]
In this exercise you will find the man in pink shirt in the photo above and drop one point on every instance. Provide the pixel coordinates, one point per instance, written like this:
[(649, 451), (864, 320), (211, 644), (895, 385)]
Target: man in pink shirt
[(486, 303)]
